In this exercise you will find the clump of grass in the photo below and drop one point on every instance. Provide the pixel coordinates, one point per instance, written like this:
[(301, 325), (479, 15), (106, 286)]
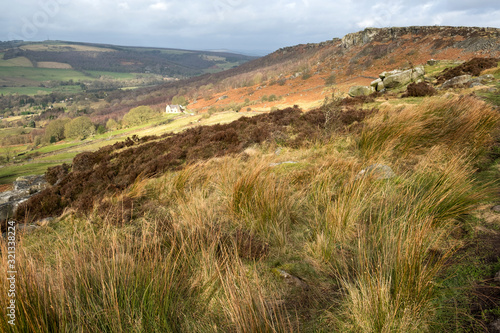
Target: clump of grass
[(462, 124), (247, 308), (262, 201), (382, 240), (104, 283)]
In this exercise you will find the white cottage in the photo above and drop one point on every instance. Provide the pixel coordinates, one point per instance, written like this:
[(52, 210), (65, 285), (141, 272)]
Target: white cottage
[(174, 109)]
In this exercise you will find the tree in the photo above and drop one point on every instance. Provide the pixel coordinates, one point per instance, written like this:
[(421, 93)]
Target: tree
[(55, 130), (139, 115), (79, 128), (180, 100), (112, 124)]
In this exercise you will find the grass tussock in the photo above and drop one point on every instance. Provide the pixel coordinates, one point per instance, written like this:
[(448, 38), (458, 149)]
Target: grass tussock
[(462, 124), (242, 243)]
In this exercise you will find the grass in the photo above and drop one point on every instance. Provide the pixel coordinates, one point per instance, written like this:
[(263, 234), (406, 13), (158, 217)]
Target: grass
[(42, 74), (203, 248), (61, 47), (31, 91), (16, 62), (9, 173)]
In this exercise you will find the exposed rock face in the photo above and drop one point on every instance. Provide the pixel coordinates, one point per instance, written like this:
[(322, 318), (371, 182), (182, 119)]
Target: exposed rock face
[(356, 91), (390, 34), (24, 188)]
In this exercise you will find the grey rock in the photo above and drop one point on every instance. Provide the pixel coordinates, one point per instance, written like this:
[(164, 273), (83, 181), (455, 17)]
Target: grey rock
[(417, 73), (496, 208), (30, 183), (6, 211), (397, 79), (375, 83), (24, 188), (495, 326), (280, 163), (457, 80), (377, 171), (475, 84), (291, 279), (432, 62), (487, 78), (380, 86), (355, 91)]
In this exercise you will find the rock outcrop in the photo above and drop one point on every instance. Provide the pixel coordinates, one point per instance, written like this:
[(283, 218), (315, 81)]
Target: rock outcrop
[(24, 188), (391, 34)]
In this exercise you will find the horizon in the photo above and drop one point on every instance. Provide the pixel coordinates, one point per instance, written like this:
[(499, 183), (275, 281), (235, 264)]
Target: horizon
[(256, 28)]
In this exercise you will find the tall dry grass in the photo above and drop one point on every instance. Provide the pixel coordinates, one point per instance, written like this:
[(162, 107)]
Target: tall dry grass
[(177, 260), (462, 124)]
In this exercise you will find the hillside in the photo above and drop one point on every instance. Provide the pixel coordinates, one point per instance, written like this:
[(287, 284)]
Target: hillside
[(374, 213), (304, 74), (52, 64)]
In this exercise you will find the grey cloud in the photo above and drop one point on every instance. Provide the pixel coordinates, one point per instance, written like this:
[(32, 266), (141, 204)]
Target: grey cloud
[(231, 24)]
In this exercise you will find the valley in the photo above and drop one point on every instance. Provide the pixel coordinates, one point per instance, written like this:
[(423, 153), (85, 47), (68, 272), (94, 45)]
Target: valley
[(349, 185)]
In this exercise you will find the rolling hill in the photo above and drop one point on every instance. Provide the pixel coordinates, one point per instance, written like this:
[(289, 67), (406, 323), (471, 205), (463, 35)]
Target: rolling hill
[(44, 64), (373, 213)]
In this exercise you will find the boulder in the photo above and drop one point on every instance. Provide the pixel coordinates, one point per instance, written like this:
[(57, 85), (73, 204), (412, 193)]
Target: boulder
[(417, 73), (398, 79), (375, 83), (380, 86), (432, 62), (456, 81), (356, 91)]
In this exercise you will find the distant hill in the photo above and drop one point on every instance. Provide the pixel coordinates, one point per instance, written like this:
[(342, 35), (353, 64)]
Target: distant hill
[(28, 67), (125, 59)]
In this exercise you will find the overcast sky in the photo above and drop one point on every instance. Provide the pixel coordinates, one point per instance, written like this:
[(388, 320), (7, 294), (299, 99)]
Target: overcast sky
[(252, 26)]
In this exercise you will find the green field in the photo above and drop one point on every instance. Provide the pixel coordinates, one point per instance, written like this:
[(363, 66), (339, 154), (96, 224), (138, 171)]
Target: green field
[(113, 75), (30, 91), (27, 80), (9, 173), (15, 62), (42, 74)]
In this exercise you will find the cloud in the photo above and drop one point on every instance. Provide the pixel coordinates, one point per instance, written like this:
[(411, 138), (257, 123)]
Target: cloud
[(159, 6), (229, 24)]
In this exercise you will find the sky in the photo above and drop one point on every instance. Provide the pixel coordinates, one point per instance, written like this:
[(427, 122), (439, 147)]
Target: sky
[(249, 26)]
